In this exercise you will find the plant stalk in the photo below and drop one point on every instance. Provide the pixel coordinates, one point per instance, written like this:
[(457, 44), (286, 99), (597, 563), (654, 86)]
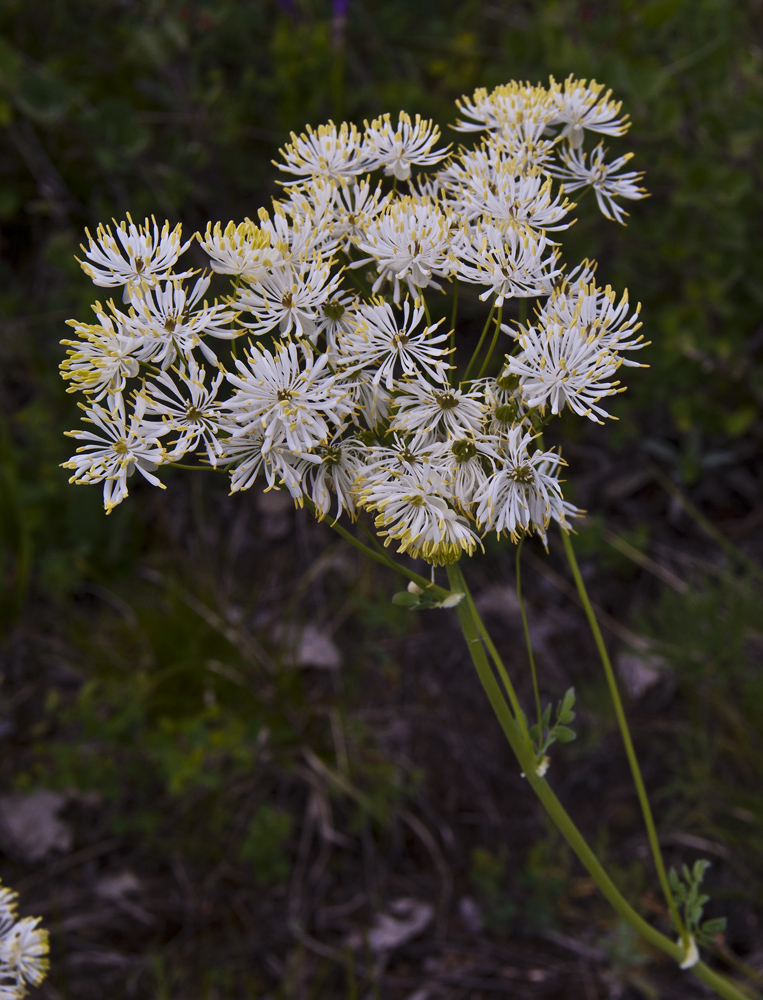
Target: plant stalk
[(622, 723), (472, 628)]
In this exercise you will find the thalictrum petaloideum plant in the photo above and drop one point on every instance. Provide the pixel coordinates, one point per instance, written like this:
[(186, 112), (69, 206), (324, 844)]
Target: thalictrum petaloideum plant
[(350, 397)]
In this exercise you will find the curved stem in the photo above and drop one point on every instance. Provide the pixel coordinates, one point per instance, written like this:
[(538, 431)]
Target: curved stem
[(530, 654), (426, 310), (622, 723), (432, 588), (519, 715), (480, 342), (493, 342), (472, 629)]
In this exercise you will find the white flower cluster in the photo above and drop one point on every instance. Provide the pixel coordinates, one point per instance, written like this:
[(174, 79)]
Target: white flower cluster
[(23, 949), (353, 399)]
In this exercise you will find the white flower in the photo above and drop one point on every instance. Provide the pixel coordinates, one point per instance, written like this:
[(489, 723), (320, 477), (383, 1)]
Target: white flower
[(570, 357), (404, 456), (171, 322), (327, 151), (251, 454), (355, 207), (103, 359), (504, 107), (192, 411), (341, 459), (114, 454), (23, 951), (396, 148), (424, 410), (135, 257), (296, 229), (579, 301), (523, 494), (509, 262), (289, 297), (411, 241), (529, 145), (603, 178), (505, 409), (559, 365), (507, 198), (580, 106), (8, 904), (380, 342), (466, 462), (415, 513), (288, 396), (372, 403), (245, 250), (335, 319)]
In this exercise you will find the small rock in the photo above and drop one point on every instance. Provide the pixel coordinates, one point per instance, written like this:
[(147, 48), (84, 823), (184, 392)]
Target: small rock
[(404, 920), (500, 601), (639, 672), (30, 825), (115, 887), (470, 915)]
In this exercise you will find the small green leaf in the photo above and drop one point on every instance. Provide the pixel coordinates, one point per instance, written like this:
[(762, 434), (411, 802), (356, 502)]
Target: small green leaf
[(564, 734), (568, 702), (699, 869), (405, 599), (715, 926)]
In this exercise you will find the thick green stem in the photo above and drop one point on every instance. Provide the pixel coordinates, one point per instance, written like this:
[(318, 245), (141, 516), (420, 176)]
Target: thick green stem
[(622, 723), (473, 630), (493, 342), (480, 342), (502, 672)]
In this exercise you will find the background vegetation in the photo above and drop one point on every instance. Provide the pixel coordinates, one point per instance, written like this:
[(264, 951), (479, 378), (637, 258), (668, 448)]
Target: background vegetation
[(177, 664)]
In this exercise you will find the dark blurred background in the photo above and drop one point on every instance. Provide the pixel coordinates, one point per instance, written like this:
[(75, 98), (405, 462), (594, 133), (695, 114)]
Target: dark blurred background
[(225, 754)]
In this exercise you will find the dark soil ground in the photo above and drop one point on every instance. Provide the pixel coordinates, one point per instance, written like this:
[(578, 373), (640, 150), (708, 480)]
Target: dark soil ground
[(180, 915)]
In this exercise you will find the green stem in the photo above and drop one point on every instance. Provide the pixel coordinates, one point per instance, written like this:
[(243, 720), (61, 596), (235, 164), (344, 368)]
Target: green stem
[(480, 342), (472, 629), (522, 311), (453, 326), (530, 655), (421, 581), (493, 342), (519, 715), (426, 310), (192, 468), (622, 723)]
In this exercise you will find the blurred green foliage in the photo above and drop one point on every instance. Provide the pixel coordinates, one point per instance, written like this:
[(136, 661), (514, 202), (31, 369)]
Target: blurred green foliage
[(711, 638), (176, 109)]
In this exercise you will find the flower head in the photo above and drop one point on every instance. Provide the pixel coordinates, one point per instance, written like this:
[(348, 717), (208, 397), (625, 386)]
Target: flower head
[(397, 148), (581, 105), (380, 341), (289, 396), (603, 178), (114, 454), (134, 256), (412, 242), (328, 151), (416, 513)]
